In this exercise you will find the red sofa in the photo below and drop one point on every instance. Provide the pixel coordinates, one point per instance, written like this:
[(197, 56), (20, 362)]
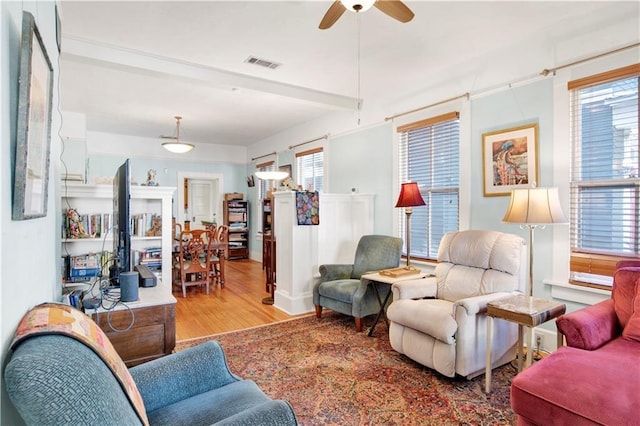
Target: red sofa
[(595, 379)]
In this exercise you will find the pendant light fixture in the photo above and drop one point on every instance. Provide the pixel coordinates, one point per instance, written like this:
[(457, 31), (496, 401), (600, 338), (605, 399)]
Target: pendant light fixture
[(175, 145), (273, 175)]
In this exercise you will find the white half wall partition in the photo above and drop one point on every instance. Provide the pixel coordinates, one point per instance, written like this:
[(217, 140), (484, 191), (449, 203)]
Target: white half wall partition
[(301, 249)]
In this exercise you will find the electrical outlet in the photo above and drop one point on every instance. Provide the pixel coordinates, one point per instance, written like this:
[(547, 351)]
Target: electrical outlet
[(543, 342)]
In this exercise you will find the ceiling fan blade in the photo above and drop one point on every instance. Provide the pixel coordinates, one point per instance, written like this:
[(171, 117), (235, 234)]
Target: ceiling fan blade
[(333, 14), (395, 9)]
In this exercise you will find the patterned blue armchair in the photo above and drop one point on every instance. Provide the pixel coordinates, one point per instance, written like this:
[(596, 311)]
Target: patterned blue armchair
[(56, 378), (341, 289)]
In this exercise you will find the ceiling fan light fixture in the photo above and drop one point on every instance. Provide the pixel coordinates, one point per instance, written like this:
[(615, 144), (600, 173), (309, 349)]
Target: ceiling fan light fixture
[(358, 5), (176, 146)]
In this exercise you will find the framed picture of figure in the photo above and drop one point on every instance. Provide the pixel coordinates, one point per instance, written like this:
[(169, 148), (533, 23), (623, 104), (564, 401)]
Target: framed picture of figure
[(510, 159)]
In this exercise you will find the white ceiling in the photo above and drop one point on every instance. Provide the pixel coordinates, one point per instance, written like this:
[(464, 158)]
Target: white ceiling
[(130, 67)]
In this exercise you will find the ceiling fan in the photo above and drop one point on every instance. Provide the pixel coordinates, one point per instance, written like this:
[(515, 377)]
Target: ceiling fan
[(394, 8)]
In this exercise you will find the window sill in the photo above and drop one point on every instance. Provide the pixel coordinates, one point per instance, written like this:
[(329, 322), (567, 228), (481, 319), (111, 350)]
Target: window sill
[(575, 293), (423, 265)]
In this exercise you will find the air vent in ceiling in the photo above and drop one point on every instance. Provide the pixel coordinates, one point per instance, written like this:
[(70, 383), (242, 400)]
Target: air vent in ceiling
[(262, 62)]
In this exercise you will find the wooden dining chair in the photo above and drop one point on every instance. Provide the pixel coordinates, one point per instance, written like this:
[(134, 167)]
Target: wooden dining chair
[(194, 259), (219, 253), (176, 232), (212, 228)]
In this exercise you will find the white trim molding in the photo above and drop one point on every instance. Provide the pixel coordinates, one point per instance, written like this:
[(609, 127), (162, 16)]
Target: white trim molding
[(578, 294)]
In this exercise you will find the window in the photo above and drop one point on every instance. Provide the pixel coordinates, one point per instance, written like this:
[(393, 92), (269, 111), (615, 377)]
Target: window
[(605, 185), (430, 156), (310, 167)]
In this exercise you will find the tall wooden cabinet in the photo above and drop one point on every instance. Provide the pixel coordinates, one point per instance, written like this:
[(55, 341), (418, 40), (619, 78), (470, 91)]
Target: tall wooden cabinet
[(236, 217)]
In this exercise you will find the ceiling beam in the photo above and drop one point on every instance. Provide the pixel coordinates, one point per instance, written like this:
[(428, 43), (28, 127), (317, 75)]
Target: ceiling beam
[(87, 51)]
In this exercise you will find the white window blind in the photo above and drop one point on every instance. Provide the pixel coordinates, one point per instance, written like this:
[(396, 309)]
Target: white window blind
[(605, 185), (310, 167), (430, 156)]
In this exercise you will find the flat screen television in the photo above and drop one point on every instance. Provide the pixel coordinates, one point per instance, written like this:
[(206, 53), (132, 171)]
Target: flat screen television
[(121, 221)]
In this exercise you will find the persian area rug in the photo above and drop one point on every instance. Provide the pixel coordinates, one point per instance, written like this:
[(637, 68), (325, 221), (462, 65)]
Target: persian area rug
[(333, 375)]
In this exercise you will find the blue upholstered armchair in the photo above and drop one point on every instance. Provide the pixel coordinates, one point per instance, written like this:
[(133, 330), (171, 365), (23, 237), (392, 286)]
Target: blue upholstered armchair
[(341, 289), (55, 379)]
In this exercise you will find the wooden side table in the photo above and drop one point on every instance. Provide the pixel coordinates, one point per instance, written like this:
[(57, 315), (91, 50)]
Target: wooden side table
[(525, 311), (377, 277)]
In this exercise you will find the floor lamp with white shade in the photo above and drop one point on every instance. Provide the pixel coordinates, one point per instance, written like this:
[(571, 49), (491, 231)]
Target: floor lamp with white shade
[(534, 208), (274, 176)]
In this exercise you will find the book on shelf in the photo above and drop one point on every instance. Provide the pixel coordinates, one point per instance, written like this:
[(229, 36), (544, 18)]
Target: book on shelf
[(76, 225), (146, 225), (237, 217), (150, 257), (107, 220), (84, 267), (74, 298)]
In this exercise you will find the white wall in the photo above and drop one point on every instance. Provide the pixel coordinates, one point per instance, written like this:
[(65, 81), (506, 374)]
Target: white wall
[(364, 162), (29, 250), (100, 143)]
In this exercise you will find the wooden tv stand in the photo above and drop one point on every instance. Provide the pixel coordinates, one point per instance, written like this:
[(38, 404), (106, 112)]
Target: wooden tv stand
[(153, 332)]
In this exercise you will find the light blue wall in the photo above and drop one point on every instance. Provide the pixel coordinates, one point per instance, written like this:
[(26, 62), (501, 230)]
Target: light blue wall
[(235, 175), (364, 161), (532, 103), (167, 170), (29, 249), (518, 106)]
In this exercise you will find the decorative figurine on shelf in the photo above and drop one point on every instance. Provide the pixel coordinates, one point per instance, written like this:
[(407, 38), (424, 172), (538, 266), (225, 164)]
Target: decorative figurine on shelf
[(288, 184), (74, 225), (151, 178), (156, 227)]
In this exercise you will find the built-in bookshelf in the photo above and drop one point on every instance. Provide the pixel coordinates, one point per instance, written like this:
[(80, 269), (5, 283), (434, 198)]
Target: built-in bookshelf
[(236, 217), (92, 241)]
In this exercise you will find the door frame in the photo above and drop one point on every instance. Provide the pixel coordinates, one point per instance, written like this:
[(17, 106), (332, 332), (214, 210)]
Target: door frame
[(218, 183)]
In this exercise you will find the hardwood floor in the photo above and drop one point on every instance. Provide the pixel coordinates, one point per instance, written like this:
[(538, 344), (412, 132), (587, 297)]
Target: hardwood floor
[(238, 305)]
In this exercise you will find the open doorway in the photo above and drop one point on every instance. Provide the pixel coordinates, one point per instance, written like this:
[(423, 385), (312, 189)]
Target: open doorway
[(200, 196)]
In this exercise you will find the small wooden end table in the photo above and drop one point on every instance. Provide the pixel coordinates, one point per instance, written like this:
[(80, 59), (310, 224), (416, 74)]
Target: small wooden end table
[(377, 277), (525, 311)]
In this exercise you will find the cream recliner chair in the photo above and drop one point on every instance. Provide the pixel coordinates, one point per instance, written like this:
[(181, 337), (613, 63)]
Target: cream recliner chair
[(440, 321)]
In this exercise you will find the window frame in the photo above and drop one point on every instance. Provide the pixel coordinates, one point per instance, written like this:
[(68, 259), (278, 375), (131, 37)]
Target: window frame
[(301, 168), (591, 267), (426, 190)]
